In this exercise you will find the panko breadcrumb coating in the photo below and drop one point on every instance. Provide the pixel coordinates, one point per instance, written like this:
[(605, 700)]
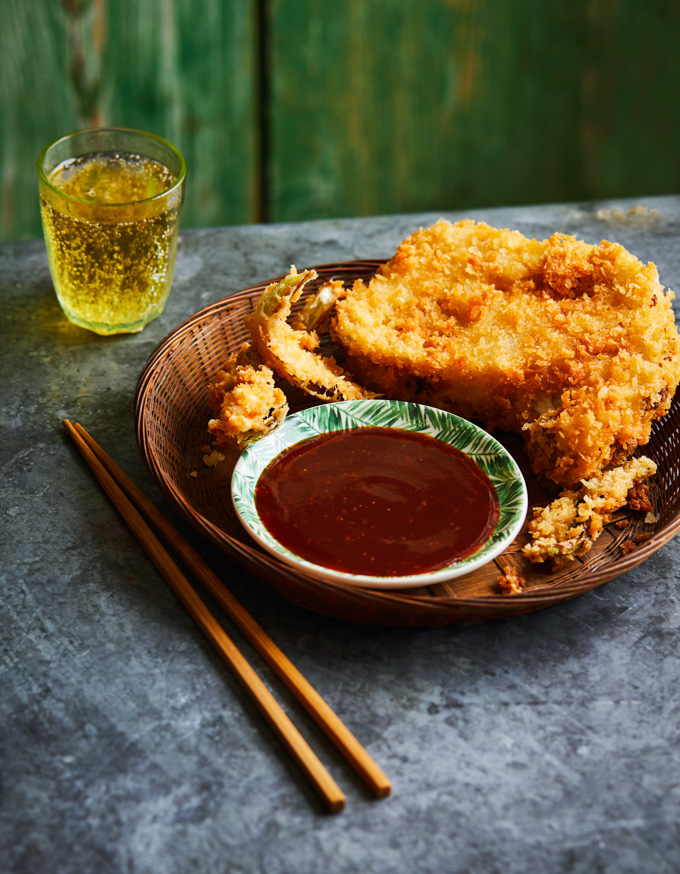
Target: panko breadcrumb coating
[(571, 344), (245, 402), (511, 582), (568, 526)]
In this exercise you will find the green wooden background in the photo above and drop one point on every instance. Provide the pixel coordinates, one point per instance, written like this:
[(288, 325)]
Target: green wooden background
[(300, 109)]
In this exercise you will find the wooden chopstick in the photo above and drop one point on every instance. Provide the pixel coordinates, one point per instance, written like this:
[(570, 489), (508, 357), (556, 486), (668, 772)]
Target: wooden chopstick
[(306, 694), (282, 726)]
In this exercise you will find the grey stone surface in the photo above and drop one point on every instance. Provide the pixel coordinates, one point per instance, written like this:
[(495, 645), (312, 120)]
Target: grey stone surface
[(544, 743)]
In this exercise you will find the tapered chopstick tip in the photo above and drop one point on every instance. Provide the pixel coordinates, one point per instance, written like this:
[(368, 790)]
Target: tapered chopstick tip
[(337, 804), (384, 790)]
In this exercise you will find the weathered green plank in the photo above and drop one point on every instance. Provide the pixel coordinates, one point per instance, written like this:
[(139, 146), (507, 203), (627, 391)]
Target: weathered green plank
[(371, 105), (33, 106), (390, 105), (186, 71)]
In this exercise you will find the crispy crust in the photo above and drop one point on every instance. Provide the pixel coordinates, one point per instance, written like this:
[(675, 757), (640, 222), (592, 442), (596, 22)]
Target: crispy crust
[(511, 582), (291, 353), (245, 402), (570, 524), (571, 344)]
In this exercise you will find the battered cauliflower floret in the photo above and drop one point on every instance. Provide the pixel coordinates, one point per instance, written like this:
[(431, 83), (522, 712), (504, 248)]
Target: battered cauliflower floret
[(245, 402), (568, 526)]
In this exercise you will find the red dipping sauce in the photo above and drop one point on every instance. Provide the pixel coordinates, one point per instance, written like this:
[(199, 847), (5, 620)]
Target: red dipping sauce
[(377, 501)]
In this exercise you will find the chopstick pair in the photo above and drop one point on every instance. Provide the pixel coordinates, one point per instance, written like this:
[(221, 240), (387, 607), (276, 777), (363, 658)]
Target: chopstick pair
[(133, 506)]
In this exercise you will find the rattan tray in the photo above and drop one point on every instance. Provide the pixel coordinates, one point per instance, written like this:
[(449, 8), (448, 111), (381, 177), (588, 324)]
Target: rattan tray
[(172, 411)]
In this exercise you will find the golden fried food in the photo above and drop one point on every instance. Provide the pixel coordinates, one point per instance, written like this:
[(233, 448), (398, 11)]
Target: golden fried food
[(290, 352), (511, 582), (316, 313), (570, 524), (573, 345), (244, 400)]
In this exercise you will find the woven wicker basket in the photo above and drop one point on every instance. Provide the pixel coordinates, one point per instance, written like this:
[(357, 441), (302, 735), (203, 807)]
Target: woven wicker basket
[(172, 411)]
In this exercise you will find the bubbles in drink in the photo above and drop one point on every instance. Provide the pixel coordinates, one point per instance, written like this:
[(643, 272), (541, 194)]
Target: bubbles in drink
[(111, 248)]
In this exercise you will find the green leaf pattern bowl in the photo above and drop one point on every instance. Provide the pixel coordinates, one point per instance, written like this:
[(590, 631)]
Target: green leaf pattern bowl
[(485, 450)]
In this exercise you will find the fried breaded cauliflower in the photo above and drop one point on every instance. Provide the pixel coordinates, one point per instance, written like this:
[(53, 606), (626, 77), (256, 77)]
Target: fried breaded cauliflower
[(573, 345), (569, 526), (245, 402)]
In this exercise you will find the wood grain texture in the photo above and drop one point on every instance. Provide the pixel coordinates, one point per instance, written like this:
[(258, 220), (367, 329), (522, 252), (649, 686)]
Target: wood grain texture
[(184, 71), (390, 106), (291, 109), (189, 71)]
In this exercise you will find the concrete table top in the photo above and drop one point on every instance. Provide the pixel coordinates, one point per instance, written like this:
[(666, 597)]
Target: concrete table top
[(544, 743)]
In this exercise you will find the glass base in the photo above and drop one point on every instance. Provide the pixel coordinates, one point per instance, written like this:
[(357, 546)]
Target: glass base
[(107, 330)]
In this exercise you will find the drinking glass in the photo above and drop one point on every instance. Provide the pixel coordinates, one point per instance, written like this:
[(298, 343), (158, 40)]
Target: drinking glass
[(110, 202)]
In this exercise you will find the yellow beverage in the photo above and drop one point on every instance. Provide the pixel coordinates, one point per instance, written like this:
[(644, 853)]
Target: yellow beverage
[(110, 222)]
